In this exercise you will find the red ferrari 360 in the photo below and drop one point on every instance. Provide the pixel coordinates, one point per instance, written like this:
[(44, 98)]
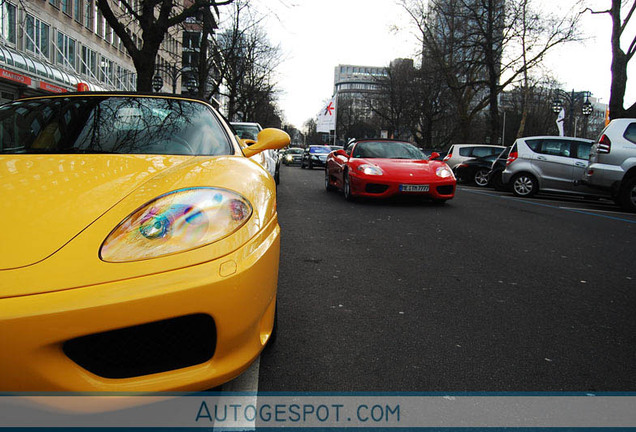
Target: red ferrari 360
[(382, 168)]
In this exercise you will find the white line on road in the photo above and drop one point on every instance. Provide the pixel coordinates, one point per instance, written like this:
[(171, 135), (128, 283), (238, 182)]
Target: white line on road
[(575, 210), (593, 210), (247, 382)]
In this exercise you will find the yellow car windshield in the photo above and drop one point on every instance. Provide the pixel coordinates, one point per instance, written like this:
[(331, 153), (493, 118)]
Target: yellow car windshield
[(111, 124)]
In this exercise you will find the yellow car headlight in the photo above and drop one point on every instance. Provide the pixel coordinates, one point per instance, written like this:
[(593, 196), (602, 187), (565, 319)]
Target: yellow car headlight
[(176, 222)]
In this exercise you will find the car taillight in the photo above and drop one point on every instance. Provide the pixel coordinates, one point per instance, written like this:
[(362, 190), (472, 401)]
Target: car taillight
[(604, 144), (512, 157), (447, 157)]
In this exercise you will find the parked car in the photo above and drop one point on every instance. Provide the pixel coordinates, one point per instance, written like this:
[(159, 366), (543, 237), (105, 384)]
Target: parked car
[(143, 247), (612, 164), (475, 170), (315, 156), (496, 170), (384, 168), (269, 159), (457, 153), (292, 156), (548, 163)]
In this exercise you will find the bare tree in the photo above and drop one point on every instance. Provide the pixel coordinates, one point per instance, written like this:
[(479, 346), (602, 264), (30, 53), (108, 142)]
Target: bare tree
[(154, 18), (394, 101), (476, 43), (536, 33), (247, 66), (443, 33), (620, 57)]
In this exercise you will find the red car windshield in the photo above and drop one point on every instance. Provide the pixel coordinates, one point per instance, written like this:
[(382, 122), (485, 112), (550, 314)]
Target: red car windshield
[(387, 150)]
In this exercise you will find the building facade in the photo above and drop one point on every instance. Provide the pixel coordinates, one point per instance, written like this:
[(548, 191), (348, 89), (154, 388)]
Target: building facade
[(354, 84), (50, 46)]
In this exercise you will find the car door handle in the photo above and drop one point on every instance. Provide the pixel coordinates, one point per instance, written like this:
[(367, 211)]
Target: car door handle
[(580, 164), (541, 158)]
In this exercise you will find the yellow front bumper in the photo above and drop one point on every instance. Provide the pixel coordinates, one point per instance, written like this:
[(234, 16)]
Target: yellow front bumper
[(238, 291)]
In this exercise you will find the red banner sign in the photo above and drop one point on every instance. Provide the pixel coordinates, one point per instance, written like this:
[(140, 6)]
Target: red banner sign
[(52, 88), (15, 77)]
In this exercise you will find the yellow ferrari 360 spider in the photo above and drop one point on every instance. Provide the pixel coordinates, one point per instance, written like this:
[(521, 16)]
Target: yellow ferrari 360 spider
[(140, 245)]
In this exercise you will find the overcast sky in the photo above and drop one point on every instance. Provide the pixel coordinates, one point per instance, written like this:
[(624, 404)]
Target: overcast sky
[(315, 36)]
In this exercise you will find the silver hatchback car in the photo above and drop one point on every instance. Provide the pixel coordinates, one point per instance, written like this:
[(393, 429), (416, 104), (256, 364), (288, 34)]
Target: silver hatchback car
[(613, 162), (548, 163)]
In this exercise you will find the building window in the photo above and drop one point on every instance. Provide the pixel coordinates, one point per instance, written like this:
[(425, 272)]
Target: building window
[(108, 32), (88, 65), (100, 24), (191, 40), (77, 10), (106, 71), (55, 3), (89, 8), (65, 6), (65, 50), (8, 22), (37, 36)]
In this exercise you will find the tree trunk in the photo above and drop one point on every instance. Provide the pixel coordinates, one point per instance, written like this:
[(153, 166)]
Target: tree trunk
[(494, 118), (145, 66)]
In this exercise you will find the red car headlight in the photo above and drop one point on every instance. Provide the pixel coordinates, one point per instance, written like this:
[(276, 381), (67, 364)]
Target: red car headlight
[(444, 172), (369, 169)]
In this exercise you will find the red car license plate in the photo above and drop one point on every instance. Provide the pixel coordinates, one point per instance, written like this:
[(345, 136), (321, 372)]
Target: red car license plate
[(414, 188)]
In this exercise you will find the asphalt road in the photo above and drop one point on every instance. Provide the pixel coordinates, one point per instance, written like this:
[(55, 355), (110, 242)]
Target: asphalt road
[(486, 293)]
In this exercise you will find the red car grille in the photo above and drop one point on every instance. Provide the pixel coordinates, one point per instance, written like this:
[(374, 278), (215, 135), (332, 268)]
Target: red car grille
[(375, 188)]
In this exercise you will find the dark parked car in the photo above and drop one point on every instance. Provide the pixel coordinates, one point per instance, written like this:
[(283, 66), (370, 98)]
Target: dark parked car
[(497, 167), (292, 156), (315, 156), (475, 170)]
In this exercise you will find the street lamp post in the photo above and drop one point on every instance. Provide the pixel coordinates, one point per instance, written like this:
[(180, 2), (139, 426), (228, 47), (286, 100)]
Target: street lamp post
[(572, 99), (173, 73), (157, 83), (192, 85)]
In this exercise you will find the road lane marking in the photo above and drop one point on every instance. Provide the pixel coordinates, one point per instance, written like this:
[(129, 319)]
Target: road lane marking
[(594, 210), (523, 200), (247, 385)]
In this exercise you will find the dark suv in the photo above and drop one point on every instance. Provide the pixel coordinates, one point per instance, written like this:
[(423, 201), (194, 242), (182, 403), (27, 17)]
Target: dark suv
[(315, 156)]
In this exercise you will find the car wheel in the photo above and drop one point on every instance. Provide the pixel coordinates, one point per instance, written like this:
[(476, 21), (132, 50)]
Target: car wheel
[(524, 185), (627, 195), (481, 178), (328, 186), (346, 188)]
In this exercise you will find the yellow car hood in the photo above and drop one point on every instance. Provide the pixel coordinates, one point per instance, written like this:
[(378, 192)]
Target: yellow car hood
[(46, 200)]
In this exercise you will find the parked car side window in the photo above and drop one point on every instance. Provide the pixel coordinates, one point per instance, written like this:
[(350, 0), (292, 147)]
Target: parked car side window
[(535, 145), (583, 150), (464, 151), (555, 148), (484, 151), (630, 133)]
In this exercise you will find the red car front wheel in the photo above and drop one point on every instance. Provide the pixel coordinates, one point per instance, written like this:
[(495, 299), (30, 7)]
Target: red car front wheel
[(346, 188)]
